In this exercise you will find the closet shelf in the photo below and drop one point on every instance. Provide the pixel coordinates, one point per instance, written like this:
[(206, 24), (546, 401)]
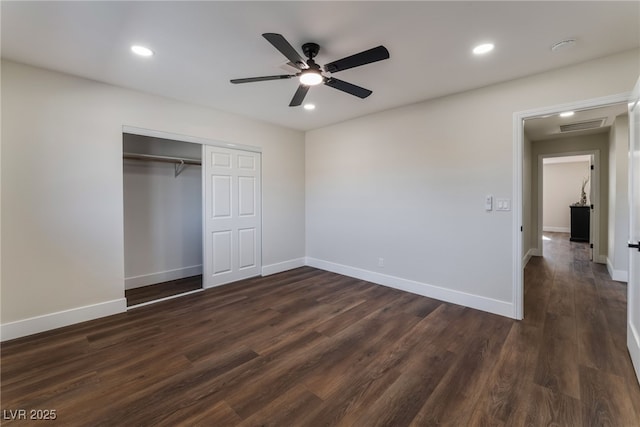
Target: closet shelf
[(179, 162)]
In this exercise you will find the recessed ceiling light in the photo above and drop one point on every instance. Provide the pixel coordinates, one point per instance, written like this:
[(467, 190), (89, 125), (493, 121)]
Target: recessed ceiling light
[(309, 106), (141, 50), (481, 49), (567, 114)]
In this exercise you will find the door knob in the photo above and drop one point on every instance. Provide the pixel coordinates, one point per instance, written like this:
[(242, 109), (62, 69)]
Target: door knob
[(634, 245)]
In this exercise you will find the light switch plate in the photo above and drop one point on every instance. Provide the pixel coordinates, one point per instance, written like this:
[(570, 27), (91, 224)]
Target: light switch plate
[(488, 203)]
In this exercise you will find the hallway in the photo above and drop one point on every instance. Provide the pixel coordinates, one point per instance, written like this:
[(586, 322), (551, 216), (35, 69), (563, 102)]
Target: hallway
[(582, 364)]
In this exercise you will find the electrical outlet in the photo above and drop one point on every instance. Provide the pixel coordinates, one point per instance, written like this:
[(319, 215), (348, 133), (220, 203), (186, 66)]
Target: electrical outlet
[(503, 204), (381, 262)]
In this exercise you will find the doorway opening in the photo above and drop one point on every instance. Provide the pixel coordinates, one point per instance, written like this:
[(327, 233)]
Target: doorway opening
[(526, 163), (568, 193), (162, 188)]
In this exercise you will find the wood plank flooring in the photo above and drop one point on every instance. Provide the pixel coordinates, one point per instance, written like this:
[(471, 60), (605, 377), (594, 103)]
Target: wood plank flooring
[(313, 348), (162, 290)]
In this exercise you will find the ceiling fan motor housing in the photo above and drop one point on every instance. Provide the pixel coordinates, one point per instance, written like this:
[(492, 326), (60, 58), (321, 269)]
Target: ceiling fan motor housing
[(310, 50)]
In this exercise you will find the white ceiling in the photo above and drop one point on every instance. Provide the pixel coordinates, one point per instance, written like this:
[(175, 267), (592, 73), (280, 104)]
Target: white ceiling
[(201, 45), (548, 127)]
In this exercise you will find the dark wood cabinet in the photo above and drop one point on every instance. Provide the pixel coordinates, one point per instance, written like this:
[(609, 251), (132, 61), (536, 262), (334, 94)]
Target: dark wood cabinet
[(580, 223)]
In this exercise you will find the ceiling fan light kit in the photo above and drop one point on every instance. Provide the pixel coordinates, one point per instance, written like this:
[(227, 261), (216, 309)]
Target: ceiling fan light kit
[(310, 78), (311, 74)]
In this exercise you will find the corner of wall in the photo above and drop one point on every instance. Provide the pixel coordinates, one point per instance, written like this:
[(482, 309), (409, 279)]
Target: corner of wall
[(279, 267)]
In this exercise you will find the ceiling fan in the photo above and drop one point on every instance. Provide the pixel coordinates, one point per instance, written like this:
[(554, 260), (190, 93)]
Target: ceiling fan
[(311, 74)]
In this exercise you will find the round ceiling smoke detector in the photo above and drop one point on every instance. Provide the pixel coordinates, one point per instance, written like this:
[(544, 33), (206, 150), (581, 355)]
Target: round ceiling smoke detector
[(563, 45)]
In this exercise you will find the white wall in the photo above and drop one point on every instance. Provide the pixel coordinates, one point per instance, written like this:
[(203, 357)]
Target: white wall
[(561, 185), (62, 190), (618, 253), (408, 185)]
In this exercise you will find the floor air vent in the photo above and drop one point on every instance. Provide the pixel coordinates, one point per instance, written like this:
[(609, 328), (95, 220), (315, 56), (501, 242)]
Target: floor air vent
[(591, 124)]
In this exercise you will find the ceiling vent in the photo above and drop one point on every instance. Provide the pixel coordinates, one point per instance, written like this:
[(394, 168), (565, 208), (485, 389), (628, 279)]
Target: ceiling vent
[(590, 124)]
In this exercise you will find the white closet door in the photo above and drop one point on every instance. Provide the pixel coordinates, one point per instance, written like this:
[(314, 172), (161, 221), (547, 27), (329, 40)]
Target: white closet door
[(232, 205)]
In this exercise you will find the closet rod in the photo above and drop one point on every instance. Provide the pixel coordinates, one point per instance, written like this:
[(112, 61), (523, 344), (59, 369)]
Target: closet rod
[(165, 159)]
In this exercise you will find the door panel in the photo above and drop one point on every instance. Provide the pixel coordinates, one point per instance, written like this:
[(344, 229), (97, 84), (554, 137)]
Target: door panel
[(221, 160), (232, 215), (633, 286), (247, 195), (246, 162), (221, 251), (221, 196), (247, 247)]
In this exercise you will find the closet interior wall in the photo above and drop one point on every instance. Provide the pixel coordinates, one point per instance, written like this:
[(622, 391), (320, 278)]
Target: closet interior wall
[(162, 212)]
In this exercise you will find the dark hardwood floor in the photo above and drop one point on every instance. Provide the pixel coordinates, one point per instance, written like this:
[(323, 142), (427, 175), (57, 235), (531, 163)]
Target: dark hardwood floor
[(162, 290), (312, 348)]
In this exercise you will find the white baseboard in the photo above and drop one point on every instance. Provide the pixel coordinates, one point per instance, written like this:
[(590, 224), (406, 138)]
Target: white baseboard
[(527, 257), (556, 229), (490, 305), (633, 344), (617, 275), (600, 259), (34, 325), (163, 276), (282, 266)]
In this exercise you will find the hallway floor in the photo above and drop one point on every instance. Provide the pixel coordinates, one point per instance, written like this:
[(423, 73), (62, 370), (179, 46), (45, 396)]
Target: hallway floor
[(582, 367)]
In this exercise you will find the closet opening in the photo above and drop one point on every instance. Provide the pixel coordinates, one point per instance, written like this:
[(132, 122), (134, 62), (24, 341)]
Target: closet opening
[(162, 188)]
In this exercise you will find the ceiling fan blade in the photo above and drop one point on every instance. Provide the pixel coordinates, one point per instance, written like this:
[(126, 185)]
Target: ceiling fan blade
[(280, 43), (352, 89), (262, 79), (366, 57), (298, 97)]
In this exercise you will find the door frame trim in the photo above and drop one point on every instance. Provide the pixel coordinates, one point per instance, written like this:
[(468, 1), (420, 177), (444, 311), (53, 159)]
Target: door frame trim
[(517, 191)]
